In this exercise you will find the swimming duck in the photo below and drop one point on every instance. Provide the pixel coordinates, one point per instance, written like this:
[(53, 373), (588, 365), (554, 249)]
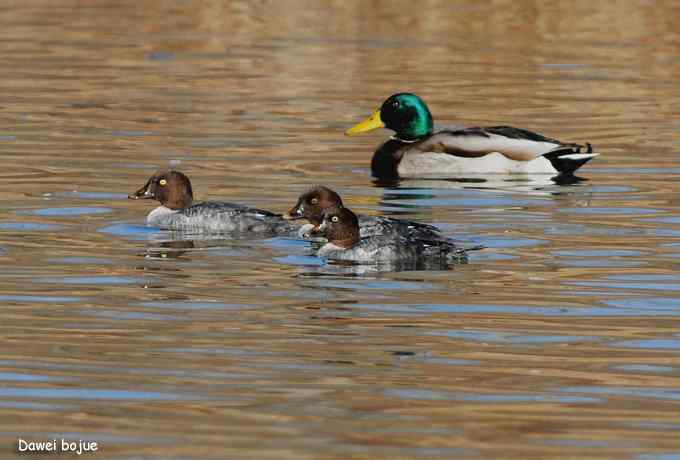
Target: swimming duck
[(341, 227), (178, 211), (416, 150), (312, 204)]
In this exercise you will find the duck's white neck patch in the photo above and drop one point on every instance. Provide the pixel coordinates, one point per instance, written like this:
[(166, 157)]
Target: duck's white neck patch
[(330, 248), (159, 212), (394, 137), (305, 232), (334, 247)]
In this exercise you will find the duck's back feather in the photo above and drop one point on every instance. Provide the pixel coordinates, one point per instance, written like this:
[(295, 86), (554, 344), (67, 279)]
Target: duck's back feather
[(389, 226), (381, 249), (222, 217), (514, 143), (382, 226)]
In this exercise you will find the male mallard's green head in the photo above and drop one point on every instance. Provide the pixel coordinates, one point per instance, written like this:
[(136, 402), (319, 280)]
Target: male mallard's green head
[(404, 113)]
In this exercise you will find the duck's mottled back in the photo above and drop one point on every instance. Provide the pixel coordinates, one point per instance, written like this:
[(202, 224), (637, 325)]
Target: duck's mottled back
[(341, 227)]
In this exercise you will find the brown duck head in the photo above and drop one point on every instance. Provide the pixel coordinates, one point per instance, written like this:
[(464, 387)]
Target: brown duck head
[(312, 204), (171, 188), (341, 227)]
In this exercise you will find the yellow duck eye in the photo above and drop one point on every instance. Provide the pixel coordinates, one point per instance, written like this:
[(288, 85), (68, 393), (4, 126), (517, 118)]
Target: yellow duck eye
[(163, 182), (335, 219), (314, 201)]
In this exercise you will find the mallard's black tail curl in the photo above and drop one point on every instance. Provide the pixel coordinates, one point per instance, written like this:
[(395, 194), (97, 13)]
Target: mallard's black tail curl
[(569, 158)]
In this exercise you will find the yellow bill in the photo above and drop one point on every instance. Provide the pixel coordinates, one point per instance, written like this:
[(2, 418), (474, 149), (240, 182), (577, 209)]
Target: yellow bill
[(369, 124)]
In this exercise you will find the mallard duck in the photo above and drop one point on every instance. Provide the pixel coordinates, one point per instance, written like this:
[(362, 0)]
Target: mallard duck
[(417, 151)]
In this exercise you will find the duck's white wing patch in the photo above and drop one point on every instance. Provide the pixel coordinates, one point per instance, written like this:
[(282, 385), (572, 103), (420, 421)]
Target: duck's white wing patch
[(478, 142), (435, 165), (579, 156)]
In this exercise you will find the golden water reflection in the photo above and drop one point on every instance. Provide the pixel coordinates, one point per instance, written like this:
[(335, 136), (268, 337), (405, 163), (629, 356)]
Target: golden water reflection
[(557, 341)]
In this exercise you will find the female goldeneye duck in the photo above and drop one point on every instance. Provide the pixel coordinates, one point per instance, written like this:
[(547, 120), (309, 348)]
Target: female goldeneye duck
[(416, 150), (341, 227), (312, 204), (178, 211)]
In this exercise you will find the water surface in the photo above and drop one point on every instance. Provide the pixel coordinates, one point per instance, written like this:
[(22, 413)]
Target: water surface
[(560, 340)]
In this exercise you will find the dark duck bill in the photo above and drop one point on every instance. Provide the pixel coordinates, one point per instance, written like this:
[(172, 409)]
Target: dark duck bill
[(143, 193)]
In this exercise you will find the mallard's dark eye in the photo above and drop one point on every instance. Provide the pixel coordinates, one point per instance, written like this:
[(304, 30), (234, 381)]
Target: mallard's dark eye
[(314, 201), (396, 104), (335, 219)]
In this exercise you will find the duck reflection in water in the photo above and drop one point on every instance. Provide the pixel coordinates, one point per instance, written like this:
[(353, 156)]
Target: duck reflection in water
[(169, 249)]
